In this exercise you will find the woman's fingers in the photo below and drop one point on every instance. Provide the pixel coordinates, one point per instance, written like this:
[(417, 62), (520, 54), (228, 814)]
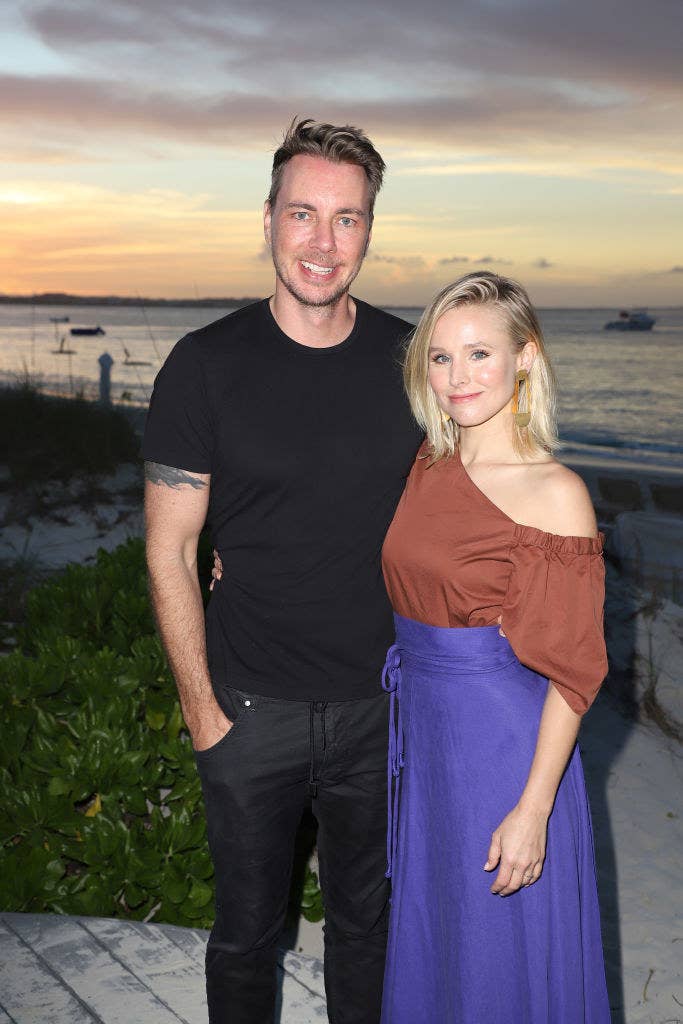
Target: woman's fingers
[(510, 878), (494, 853), (534, 873)]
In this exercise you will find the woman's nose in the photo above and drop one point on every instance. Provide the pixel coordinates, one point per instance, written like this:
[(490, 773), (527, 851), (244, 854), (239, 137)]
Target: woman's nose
[(458, 375)]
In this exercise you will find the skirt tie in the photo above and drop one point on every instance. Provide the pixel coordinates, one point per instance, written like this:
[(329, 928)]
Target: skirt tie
[(391, 683)]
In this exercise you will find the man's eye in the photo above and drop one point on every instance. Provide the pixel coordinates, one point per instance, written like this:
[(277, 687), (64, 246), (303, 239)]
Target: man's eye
[(346, 222), (301, 215)]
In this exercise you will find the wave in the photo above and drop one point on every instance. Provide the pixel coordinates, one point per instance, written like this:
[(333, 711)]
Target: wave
[(619, 449), (608, 441)]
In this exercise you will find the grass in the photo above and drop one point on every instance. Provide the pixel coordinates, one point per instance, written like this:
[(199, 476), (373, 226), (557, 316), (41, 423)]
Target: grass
[(43, 438)]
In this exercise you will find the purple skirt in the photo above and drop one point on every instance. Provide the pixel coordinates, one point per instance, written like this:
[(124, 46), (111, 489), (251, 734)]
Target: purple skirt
[(465, 717)]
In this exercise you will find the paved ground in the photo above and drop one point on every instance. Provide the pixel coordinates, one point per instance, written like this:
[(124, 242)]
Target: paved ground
[(86, 970)]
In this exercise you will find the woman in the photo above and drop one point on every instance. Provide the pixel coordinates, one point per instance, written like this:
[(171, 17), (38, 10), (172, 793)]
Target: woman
[(494, 910)]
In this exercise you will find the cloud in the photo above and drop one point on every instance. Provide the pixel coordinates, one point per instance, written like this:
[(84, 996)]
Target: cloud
[(403, 261), (532, 81), (630, 43), (453, 259), (231, 116), (542, 263), (494, 259), (678, 269)]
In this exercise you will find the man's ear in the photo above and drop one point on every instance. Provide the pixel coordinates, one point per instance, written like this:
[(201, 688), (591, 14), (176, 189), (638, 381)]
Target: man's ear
[(267, 218), (367, 243)]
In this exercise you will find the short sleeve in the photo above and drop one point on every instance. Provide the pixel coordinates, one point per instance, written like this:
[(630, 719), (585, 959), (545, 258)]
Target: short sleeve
[(178, 430), (552, 614)]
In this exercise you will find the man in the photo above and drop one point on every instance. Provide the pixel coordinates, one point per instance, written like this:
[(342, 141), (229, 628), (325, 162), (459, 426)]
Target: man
[(285, 425)]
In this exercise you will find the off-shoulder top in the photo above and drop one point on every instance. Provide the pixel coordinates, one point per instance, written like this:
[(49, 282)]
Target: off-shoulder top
[(453, 558)]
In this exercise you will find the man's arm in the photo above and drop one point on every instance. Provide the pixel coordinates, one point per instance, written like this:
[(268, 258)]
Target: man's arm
[(176, 502)]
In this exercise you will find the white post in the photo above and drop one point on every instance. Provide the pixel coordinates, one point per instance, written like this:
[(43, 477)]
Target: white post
[(106, 362)]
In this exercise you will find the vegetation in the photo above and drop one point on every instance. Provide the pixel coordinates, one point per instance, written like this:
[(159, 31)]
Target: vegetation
[(44, 438), (101, 811)]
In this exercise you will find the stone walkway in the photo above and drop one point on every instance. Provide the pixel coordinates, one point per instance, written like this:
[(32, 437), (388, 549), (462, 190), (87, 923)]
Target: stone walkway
[(87, 970)]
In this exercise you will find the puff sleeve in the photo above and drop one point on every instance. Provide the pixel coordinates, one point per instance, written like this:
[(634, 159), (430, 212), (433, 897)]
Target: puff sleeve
[(552, 614)]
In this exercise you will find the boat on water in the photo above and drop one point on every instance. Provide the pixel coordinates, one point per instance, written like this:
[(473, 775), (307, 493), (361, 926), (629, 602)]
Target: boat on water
[(61, 351), (129, 361), (631, 320), (88, 330)]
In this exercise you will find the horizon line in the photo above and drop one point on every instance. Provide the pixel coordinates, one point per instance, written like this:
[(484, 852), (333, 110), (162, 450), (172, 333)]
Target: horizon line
[(71, 299)]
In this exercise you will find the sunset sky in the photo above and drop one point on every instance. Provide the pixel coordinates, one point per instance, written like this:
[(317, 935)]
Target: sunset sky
[(535, 137)]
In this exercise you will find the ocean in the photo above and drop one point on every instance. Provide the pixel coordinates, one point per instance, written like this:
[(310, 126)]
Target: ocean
[(620, 392)]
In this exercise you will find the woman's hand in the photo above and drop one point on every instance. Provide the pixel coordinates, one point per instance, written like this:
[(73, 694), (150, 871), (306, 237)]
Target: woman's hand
[(518, 845), (217, 570)]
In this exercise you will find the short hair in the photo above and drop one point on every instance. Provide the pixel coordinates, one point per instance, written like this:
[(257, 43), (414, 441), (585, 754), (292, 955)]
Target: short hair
[(510, 300), (342, 145)]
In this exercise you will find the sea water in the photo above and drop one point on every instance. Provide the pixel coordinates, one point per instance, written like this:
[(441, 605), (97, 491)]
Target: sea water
[(620, 392)]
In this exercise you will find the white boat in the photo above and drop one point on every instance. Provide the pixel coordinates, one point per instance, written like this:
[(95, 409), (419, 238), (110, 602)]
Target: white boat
[(633, 320)]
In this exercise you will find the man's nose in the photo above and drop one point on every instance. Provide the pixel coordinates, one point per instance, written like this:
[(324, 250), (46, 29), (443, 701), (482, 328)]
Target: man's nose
[(322, 238)]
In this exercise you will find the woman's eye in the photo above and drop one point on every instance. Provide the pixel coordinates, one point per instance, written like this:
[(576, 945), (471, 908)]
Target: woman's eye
[(479, 353), (440, 358)]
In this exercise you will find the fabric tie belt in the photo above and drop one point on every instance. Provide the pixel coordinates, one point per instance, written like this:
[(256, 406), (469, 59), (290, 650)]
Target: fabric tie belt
[(391, 682)]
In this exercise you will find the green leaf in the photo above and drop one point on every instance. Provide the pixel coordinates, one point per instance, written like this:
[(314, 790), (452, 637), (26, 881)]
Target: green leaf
[(155, 719), (200, 894), (176, 890)]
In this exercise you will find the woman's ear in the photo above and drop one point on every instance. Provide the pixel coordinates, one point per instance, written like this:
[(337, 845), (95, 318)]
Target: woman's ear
[(526, 357)]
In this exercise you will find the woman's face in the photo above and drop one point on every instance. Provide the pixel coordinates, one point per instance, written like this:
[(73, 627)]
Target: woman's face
[(472, 364)]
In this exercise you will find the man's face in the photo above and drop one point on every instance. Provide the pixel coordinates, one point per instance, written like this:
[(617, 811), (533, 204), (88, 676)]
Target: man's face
[(319, 229)]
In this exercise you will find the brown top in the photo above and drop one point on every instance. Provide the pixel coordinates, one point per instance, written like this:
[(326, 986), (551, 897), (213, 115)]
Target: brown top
[(453, 558)]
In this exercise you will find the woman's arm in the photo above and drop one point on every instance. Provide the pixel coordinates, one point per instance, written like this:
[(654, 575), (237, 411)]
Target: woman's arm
[(518, 844)]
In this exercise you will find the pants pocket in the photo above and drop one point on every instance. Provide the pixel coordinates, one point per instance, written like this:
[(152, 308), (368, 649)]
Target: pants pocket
[(239, 707)]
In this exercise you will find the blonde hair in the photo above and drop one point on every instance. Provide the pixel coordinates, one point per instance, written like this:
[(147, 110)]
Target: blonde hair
[(512, 303)]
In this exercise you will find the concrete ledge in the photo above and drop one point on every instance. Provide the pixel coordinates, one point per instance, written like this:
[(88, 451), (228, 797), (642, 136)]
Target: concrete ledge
[(87, 970)]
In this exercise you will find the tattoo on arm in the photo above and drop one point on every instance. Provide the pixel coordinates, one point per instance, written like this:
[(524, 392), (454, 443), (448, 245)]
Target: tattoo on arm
[(156, 473)]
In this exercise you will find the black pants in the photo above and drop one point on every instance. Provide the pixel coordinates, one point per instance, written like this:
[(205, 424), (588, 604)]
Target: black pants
[(257, 781)]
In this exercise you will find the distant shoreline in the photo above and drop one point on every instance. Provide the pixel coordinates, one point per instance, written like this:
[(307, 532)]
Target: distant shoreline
[(65, 299)]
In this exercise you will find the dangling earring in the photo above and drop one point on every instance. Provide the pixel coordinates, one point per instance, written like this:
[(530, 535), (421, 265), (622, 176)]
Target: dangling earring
[(521, 418), (445, 418)]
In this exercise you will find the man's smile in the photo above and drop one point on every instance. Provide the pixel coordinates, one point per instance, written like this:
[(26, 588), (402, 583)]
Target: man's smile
[(315, 268)]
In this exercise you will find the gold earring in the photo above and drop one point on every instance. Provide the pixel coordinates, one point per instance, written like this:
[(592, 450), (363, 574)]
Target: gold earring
[(445, 418), (521, 418)]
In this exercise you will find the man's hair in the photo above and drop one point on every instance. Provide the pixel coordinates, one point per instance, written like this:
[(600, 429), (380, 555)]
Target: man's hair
[(341, 145)]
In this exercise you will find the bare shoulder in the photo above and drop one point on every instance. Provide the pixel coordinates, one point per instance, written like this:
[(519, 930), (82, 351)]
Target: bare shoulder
[(562, 504)]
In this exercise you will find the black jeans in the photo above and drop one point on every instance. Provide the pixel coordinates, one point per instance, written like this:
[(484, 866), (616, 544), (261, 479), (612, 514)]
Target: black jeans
[(257, 781)]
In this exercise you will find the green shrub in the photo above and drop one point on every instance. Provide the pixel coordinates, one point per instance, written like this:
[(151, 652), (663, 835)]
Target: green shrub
[(101, 808), (47, 438)]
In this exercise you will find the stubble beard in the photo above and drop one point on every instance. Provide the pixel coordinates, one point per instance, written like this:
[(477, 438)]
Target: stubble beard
[(313, 303)]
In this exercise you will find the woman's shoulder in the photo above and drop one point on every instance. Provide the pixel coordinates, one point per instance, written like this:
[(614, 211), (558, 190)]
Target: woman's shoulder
[(560, 502)]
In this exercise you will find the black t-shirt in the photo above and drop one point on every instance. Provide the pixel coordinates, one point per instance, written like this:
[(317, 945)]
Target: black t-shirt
[(308, 450)]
